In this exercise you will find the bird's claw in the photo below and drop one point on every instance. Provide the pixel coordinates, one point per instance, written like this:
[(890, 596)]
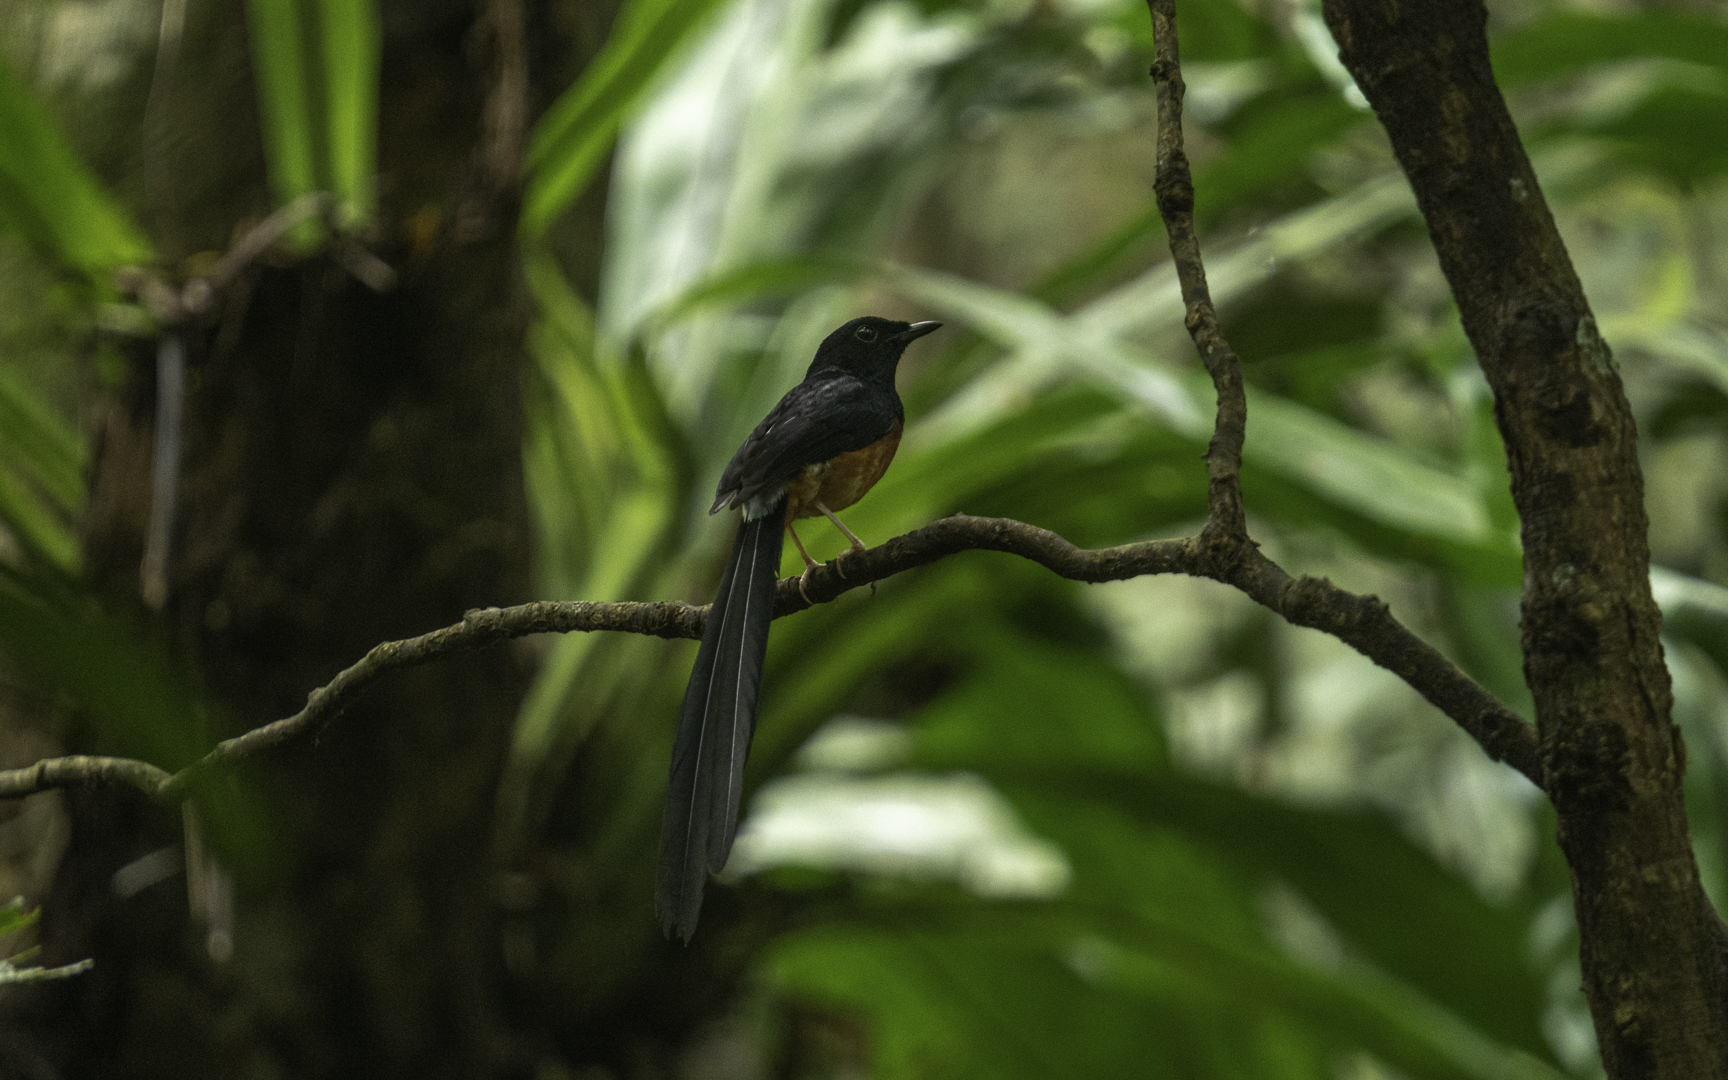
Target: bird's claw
[(839, 567), (839, 562)]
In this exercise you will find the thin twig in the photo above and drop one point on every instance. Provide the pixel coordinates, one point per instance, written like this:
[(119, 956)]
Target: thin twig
[(259, 239), (1174, 188), (478, 628), (164, 468), (175, 306), (1362, 622)]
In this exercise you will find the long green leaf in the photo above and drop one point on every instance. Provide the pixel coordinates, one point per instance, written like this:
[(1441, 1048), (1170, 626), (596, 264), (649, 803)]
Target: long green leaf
[(152, 710), (1369, 475), (285, 104), (140, 700), (1369, 480), (41, 477), (45, 537), (571, 140), (352, 40), (35, 440), (967, 991), (1065, 742), (603, 483), (50, 197), (1370, 882)]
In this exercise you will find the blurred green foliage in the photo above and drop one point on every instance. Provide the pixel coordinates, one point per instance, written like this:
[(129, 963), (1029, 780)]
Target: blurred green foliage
[(14, 917), (310, 149), (1270, 859)]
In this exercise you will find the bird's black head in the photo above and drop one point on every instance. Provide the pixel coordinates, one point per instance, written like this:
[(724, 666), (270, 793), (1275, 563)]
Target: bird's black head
[(868, 347)]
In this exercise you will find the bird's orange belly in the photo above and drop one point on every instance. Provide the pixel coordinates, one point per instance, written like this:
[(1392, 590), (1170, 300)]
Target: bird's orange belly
[(840, 481)]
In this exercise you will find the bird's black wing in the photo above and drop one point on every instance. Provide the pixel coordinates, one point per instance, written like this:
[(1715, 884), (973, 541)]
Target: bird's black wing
[(819, 419)]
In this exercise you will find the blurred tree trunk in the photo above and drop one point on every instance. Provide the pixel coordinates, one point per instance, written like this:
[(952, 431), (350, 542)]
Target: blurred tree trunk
[(351, 473), (1655, 956)]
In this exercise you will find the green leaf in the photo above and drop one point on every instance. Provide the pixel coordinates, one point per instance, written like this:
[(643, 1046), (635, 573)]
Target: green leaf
[(146, 705), (1074, 746), (1481, 628), (46, 537), (15, 916), (352, 45), (1369, 881), (1680, 132), (985, 1003), (1086, 990), (134, 693), (1567, 42), (41, 479), (50, 197), (1376, 491), (1271, 146), (37, 441), (1370, 476), (570, 141), (811, 669), (10, 974), (1668, 115), (757, 281), (1028, 700), (601, 461), (285, 105)]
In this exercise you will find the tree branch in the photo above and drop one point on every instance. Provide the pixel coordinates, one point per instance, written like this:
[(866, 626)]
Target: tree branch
[(1174, 188), (80, 770), (1362, 622)]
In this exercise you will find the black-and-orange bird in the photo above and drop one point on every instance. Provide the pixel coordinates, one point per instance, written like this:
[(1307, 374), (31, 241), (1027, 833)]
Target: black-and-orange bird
[(826, 444)]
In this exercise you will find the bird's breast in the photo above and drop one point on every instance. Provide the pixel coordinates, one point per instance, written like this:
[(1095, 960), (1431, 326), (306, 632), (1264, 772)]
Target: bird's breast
[(841, 480)]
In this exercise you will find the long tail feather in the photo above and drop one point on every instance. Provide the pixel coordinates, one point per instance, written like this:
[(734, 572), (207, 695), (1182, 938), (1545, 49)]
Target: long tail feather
[(716, 725)]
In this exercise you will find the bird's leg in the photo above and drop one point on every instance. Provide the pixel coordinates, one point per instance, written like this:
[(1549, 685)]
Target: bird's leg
[(809, 564), (857, 544)]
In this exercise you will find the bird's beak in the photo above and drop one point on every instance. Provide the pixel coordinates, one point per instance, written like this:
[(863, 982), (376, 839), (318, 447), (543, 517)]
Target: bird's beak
[(917, 330)]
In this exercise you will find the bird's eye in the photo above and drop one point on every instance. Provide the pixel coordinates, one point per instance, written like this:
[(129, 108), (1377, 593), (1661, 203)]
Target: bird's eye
[(865, 333)]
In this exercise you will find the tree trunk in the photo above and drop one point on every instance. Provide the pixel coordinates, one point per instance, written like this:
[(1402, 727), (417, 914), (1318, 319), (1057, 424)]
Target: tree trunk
[(351, 473), (1654, 956)]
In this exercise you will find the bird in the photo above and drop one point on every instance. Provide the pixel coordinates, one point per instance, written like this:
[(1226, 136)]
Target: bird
[(817, 452)]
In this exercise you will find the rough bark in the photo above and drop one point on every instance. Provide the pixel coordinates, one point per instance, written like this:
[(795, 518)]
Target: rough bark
[(351, 473), (1652, 947)]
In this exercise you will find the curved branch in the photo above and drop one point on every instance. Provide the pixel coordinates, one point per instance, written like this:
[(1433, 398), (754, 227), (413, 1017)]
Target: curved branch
[(1363, 622), (478, 628), (81, 770)]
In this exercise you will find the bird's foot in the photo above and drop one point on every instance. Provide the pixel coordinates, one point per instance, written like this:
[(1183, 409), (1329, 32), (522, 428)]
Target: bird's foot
[(804, 585), (840, 561)]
